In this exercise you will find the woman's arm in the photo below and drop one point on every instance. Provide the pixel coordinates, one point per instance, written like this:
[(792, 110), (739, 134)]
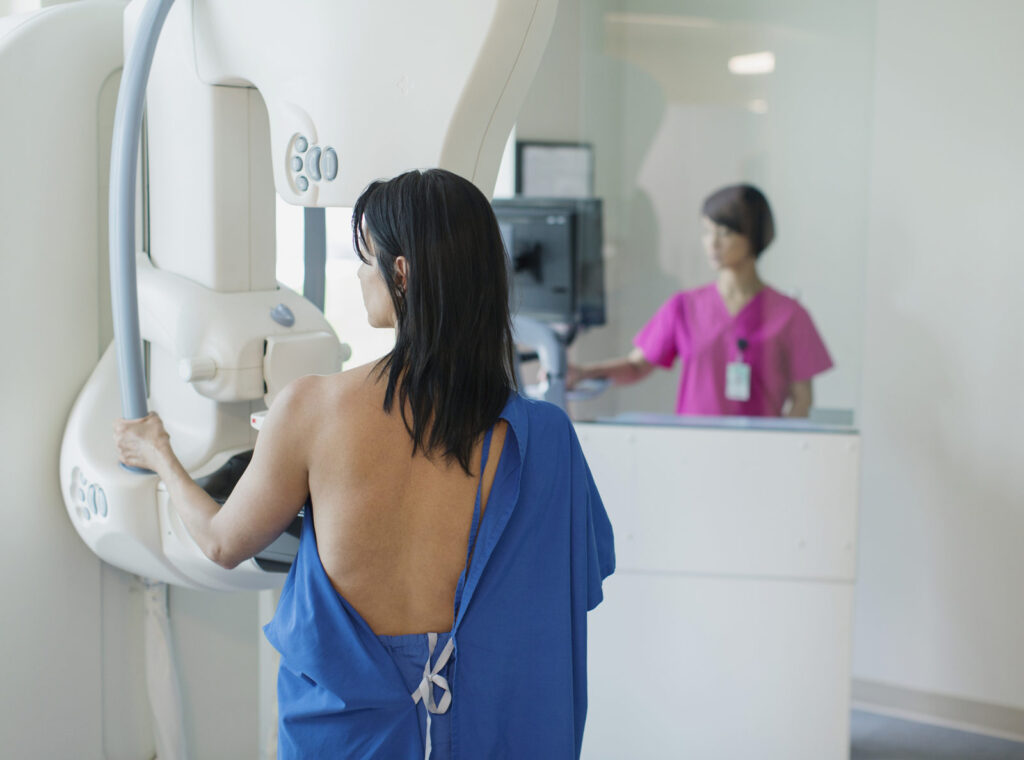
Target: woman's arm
[(801, 398), (267, 496), (623, 371)]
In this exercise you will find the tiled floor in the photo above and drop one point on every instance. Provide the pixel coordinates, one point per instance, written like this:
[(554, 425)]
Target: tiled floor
[(874, 737)]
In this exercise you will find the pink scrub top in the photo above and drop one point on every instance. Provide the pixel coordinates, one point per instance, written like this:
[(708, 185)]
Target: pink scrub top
[(782, 347)]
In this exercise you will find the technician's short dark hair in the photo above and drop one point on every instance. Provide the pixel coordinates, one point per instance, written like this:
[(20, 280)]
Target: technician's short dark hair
[(743, 209)]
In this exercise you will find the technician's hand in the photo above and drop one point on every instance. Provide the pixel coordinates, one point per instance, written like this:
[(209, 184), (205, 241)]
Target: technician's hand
[(573, 374), (142, 443)]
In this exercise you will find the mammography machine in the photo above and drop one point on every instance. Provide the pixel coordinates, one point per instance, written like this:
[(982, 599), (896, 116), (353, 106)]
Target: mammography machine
[(227, 125), (243, 99)]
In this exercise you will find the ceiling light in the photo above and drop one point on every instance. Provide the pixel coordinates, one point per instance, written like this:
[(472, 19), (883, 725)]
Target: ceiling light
[(753, 63)]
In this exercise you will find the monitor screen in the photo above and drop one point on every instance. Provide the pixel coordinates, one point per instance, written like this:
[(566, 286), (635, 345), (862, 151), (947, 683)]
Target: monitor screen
[(555, 257)]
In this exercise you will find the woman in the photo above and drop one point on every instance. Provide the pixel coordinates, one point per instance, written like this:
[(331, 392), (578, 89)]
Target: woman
[(746, 348), (453, 538)]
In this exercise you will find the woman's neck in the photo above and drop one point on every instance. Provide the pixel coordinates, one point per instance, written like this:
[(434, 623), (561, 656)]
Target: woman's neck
[(740, 282)]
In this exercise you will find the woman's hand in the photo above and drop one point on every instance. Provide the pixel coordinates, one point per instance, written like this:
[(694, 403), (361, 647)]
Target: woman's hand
[(142, 443), (801, 399)]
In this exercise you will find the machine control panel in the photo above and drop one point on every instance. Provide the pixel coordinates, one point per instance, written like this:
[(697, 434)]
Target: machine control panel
[(311, 163), (89, 498)]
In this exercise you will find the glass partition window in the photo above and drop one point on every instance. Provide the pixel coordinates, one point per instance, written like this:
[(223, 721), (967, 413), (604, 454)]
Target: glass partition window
[(343, 301), (682, 97)]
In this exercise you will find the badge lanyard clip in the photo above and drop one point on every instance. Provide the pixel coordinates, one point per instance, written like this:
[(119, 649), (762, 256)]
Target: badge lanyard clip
[(737, 375)]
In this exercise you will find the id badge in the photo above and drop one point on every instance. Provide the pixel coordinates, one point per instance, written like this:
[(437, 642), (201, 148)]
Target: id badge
[(737, 381)]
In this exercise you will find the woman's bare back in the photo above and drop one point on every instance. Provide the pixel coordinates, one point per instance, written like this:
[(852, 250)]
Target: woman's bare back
[(391, 528)]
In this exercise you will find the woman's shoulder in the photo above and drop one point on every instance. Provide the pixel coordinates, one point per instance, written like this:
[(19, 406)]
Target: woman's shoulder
[(347, 386), (536, 409), (679, 300), (357, 383), (790, 314), (314, 401), (783, 301), (707, 291), (528, 416), (540, 422)]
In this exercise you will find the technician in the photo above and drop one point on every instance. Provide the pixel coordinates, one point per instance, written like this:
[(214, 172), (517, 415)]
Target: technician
[(746, 349)]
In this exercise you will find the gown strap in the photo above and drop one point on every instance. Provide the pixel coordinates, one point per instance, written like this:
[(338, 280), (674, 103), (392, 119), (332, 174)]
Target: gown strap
[(432, 672)]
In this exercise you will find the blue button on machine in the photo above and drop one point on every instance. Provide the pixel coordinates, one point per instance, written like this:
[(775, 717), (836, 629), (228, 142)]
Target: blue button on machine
[(302, 183), (282, 315), (313, 163), (301, 144), (330, 164), (296, 164)]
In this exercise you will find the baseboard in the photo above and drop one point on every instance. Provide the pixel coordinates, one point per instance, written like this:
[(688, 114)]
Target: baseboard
[(938, 709)]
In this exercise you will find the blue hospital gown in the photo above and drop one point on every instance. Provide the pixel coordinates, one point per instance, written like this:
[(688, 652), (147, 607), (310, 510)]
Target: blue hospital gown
[(517, 673)]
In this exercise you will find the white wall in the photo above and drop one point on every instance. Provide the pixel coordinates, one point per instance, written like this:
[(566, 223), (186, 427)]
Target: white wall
[(51, 676), (939, 605), (216, 637)]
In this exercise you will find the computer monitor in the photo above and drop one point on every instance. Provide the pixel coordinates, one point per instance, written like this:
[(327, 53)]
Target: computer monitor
[(555, 258)]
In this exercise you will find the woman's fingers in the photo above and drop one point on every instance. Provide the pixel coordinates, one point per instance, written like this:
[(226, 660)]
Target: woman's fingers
[(138, 441)]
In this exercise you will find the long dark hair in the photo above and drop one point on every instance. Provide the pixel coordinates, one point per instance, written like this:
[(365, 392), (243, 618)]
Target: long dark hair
[(452, 365)]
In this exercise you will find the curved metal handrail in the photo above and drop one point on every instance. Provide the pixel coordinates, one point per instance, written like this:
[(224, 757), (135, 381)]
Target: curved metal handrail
[(124, 153)]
